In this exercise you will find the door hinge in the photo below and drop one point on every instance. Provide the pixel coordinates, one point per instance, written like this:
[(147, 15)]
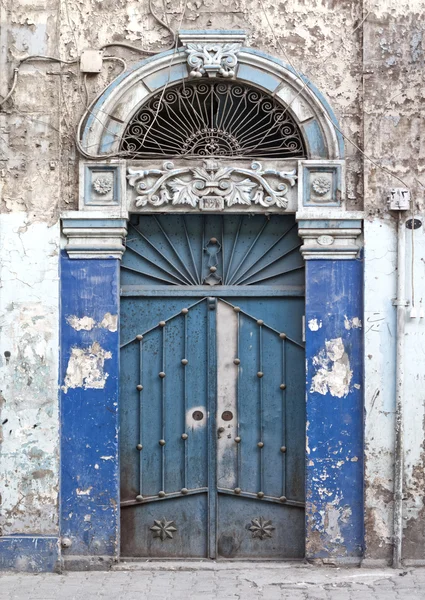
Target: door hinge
[(303, 328)]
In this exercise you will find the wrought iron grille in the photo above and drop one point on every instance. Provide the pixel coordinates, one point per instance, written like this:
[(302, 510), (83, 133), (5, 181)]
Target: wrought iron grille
[(213, 119)]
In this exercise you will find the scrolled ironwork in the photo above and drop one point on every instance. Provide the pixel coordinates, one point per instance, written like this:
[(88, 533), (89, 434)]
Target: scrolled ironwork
[(212, 118)]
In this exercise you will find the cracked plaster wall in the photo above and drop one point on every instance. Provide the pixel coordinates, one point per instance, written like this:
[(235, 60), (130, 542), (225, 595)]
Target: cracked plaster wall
[(380, 333), (29, 424), (366, 57)]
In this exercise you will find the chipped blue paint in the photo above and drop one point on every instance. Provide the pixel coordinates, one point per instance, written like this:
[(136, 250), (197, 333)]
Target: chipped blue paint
[(165, 76), (89, 511), (117, 82), (315, 141), (112, 132), (334, 509), (29, 553), (257, 76), (310, 85)]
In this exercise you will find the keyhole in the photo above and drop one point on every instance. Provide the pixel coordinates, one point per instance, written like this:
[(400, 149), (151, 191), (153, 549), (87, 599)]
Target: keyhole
[(227, 415)]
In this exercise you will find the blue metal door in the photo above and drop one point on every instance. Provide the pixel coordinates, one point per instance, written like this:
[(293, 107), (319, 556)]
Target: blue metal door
[(212, 388)]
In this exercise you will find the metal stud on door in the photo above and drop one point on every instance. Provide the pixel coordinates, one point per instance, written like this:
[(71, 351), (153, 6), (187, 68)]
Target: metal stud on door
[(212, 411)]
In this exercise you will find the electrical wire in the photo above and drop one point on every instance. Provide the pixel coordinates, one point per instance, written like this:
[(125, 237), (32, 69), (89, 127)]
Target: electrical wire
[(12, 88), (371, 160), (144, 50), (83, 151)]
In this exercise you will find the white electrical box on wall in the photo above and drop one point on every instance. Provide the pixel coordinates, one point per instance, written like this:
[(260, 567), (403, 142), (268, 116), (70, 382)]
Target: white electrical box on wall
[(91, 61), (399, 199)]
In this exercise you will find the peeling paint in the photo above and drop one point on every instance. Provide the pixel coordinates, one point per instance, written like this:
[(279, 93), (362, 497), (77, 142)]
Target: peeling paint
[(333, 374), (354, 323), (85, 323), (314, 324), (109, 322), (82, 492), (86, 368)]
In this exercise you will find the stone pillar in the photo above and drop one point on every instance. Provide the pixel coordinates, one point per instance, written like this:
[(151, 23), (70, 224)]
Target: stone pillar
[(334, 389), (89, 383)]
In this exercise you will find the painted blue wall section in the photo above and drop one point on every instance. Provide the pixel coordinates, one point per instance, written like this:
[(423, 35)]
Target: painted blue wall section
[(89, 414), (315, 141), (29, 553), (334, 507)]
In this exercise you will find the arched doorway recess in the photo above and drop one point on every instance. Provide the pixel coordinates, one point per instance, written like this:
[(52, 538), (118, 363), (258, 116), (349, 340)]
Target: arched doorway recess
[(205, 158)]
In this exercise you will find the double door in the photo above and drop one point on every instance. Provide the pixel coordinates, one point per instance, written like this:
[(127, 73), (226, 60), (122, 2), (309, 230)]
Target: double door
[(212, 426)]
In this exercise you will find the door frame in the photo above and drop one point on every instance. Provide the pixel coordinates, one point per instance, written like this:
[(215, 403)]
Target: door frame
[(212, 297), (94, 240)]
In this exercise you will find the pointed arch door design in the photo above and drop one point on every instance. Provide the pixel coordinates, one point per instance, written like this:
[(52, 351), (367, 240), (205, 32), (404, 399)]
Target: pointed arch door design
[(212, 387)]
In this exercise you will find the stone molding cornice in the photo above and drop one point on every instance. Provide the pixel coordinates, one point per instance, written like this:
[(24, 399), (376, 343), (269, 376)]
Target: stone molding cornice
[(93, 235), (336, 239)]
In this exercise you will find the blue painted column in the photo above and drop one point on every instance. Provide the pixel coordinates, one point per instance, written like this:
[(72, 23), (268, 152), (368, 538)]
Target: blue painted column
[(334, 392), (89, 380)]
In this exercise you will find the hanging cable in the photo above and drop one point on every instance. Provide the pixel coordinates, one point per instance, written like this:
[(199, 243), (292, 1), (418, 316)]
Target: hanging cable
[(144, 50), (297, 73)]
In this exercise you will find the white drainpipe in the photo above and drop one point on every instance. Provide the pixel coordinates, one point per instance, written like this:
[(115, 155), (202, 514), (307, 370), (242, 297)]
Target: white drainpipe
[(400, 303)]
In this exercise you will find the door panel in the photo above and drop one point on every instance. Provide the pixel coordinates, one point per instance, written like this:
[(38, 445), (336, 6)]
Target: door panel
[(212, 389), (183, 518), (164, 428), (256, 529), (255, 449)]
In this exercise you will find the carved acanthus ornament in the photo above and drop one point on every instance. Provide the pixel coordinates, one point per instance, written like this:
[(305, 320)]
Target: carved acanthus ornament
[(212, 59), (212, 186)]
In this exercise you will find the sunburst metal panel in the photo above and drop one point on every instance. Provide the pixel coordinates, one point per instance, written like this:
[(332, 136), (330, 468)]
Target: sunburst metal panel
[(213, 119), (213, 250)]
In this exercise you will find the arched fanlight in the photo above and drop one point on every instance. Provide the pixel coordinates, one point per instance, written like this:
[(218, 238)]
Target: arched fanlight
[(213, 118)]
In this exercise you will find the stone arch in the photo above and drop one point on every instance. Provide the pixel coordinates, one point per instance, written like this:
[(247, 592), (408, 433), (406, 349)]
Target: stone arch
[(105, 122)]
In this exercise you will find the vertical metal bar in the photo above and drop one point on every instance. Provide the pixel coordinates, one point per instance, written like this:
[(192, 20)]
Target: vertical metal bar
[(260, 373), (140, 388), (186, 465), (202, 249), (163, 412), (400, 303), (284, 418), (238, 433), (212, 434), (222, 247)]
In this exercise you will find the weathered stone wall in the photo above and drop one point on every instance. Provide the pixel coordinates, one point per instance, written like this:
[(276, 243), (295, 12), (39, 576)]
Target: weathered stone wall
[(366, 58)]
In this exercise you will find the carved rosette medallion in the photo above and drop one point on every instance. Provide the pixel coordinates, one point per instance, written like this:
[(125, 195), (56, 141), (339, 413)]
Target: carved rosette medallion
[(163, 529), (211, 187), (261, 528), (212, 59), (321, 186), (102, 185)]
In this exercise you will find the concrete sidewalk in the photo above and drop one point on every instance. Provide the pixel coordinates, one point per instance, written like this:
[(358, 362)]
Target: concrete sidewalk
[(210, 581)]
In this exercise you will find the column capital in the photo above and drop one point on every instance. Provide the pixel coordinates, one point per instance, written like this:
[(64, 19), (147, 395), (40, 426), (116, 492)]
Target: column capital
[(93, 234), (334, 238)]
